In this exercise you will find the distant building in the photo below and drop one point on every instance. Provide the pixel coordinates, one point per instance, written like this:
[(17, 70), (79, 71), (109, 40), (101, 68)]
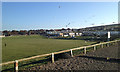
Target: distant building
[(66, 35), (14, 32), (7, 33), (23, 32), (1, 35), (61, 34), (72, 34)]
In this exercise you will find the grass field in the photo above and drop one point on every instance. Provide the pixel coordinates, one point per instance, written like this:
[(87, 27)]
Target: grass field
[(18, 47)]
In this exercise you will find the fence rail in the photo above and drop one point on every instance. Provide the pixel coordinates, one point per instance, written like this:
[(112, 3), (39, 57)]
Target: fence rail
[(52, 54)]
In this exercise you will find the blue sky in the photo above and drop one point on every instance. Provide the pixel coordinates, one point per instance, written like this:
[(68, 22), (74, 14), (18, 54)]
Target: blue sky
[(54, 15)]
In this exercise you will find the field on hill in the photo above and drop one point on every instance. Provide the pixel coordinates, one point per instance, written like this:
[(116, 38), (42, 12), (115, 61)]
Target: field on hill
[(18, 47)]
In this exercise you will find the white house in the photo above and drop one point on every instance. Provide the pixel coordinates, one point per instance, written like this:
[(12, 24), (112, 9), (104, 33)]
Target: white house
[(72, 34), (80, 34), (65, 35)]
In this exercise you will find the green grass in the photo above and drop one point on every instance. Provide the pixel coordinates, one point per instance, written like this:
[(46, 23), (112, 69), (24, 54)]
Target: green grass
[(19, 47)]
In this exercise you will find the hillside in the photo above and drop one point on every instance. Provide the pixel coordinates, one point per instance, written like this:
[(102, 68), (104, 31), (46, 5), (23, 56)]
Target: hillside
[(112, 27)]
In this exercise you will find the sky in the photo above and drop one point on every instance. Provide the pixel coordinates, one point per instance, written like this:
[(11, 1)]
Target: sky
[(56, 15)]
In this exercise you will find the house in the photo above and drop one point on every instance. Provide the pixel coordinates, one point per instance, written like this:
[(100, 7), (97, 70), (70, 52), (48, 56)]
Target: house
[(63, 30), (75, 30), (80, 34), (52, 33), (72, 34), (31, 32), (22, 32), (14, 32), (64, 34), (6, 33), (61, 34), (1, 35)]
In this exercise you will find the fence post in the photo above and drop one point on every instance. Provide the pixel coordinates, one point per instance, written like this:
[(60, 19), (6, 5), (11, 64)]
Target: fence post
[(111, 43), (94, 47), (71, 52), (102, 45), (16, 66), (85, 50), (116, 42), (107, 44), (52, 57)]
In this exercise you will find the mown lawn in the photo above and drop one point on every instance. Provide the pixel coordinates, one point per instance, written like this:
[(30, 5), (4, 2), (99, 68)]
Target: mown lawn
[(18, 47)]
